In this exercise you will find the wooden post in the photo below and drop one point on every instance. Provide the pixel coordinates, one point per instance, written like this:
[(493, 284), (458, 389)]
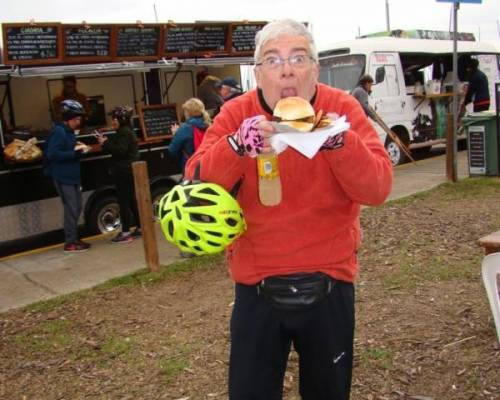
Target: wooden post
[(451, 172), (143, 196)]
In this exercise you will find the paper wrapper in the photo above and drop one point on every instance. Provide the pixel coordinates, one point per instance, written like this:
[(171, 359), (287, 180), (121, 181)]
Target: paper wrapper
[(307, 143)]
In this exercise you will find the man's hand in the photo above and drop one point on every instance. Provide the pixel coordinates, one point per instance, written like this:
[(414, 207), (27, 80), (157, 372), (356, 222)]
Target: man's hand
[(174, 128), (253, 137)]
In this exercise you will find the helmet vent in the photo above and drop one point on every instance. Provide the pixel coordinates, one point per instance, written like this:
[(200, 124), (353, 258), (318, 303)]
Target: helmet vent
[(178, 213), (217, 234), (193, 236), (208, 190), (175, 197), (231, 222), (202, 218), (213, 244), (199, 203), (170, 228), (197, 248), (183, 243)]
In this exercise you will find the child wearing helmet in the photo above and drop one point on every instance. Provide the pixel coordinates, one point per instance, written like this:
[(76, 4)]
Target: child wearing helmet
[(124, 151), (62, 154)]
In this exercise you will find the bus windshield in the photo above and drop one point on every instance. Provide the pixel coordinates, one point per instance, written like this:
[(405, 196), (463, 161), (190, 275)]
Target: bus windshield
[(342, 72)]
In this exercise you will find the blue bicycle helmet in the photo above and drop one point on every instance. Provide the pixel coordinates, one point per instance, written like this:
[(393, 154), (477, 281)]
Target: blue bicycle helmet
[(71, 109)]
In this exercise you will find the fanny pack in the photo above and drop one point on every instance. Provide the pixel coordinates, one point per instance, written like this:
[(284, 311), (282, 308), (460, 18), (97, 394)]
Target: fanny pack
[(297, 291)]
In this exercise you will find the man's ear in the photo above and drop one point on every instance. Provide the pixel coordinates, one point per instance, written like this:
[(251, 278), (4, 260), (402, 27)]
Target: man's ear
[(257, 73)]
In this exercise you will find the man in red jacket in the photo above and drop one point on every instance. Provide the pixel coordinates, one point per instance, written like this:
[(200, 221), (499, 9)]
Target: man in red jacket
[(295, 265)]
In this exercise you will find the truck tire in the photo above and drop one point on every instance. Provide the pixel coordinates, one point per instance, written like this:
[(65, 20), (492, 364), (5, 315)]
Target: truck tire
[(396, 155), (104, 215)]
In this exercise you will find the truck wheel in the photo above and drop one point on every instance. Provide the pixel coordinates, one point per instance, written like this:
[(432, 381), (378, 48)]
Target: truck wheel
[(104, 216), (395, 153)]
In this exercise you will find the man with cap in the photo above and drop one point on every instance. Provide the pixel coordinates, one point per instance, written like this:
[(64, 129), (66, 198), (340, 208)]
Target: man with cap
[(229, 88)]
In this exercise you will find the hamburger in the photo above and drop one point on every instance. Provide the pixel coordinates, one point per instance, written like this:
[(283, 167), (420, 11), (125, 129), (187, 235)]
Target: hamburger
[(295, 112)]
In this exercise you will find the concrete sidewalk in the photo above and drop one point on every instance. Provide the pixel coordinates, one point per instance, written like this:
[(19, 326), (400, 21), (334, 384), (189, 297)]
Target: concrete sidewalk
[(44, 274)]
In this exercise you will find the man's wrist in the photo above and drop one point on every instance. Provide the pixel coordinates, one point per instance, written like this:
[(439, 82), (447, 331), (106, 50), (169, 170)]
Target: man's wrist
[(238, 149)]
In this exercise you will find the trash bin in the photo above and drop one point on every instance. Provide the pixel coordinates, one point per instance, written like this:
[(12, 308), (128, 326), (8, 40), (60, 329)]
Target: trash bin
[(482, 143)]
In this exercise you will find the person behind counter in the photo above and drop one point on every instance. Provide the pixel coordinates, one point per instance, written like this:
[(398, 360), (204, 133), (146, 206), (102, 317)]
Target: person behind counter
[(124, 151), (182, 144), (477, 91), (295, 265), (208, 93), (69, 92), (62, 163), (361, 93)]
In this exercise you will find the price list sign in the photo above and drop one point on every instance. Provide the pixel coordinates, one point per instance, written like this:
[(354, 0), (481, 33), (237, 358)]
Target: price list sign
[(157, 121), (180, 40), (134, 42), (477, 154), (87, 43), (211, 38), (27, 44), (243, 37)]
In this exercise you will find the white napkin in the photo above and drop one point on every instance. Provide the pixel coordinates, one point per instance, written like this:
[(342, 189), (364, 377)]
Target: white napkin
[(307, 143)]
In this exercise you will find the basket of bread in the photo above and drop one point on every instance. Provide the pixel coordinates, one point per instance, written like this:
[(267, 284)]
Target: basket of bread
[(22, 151)]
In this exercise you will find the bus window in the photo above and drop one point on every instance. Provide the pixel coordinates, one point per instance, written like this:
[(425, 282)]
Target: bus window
[(342, 72)]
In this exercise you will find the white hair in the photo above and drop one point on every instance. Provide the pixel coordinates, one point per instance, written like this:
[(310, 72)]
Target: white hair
[(283, 27)]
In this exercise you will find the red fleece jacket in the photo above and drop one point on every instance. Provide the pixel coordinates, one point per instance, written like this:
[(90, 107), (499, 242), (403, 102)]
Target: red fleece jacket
[(316, 226)]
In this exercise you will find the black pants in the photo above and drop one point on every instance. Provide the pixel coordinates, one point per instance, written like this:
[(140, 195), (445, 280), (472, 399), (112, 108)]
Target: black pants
[(71, 197), (124, 181), (261, 336)]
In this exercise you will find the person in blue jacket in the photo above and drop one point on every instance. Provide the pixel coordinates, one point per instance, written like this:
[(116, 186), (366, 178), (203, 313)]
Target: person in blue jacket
[(63, 165), (182, 144)]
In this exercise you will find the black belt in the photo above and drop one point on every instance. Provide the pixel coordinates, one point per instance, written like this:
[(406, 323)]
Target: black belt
[(297, 291)]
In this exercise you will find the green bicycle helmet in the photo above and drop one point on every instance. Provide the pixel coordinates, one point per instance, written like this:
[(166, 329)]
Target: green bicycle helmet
[(200, 218)]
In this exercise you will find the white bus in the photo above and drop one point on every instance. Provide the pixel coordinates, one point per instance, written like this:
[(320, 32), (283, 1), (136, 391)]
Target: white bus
[(402, 67)]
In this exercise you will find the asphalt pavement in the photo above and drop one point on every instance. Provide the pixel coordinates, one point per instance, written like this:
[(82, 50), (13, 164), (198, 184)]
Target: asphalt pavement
[(46, 273)]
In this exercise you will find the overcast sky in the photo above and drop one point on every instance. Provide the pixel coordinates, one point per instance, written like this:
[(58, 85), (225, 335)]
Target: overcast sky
[(332, 20)]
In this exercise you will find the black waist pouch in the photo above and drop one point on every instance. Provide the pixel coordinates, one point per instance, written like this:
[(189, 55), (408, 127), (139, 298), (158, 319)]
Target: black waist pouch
[(295, 292)]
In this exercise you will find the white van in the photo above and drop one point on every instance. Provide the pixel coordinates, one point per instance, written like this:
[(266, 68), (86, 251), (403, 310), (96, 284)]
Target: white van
[(407, 98)]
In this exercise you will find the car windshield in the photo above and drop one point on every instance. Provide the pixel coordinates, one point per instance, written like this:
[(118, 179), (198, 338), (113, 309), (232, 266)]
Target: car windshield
[(342, 72)]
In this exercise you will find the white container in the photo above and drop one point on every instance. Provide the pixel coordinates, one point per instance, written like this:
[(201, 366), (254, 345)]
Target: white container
[(433, 87)]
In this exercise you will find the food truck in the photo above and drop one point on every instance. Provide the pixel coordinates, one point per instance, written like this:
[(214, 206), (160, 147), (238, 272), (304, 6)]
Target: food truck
[(151, 67), (413, 88)]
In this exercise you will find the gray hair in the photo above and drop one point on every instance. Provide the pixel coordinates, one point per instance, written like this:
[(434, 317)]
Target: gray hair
[(283, 27)]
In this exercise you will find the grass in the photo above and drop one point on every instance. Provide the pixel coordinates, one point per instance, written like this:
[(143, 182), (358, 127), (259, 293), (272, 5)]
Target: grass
[(116, 346), (140, 277), (378, 357), (172, 366), (51, 336)]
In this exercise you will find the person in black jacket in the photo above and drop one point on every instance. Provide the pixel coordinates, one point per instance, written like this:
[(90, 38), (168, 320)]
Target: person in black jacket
[(62, 163), (477, 92), (124, 151)]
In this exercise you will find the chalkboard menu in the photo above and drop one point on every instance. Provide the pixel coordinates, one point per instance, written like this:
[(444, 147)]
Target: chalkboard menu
[(31, 44), (135, 42), (156, 121), (243, 37), (87, 43), (179, 40), (211, 38)]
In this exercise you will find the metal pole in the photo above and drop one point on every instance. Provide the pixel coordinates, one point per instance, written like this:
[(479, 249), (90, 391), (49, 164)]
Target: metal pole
[(388, 24), (456, 6), (156, 14)]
